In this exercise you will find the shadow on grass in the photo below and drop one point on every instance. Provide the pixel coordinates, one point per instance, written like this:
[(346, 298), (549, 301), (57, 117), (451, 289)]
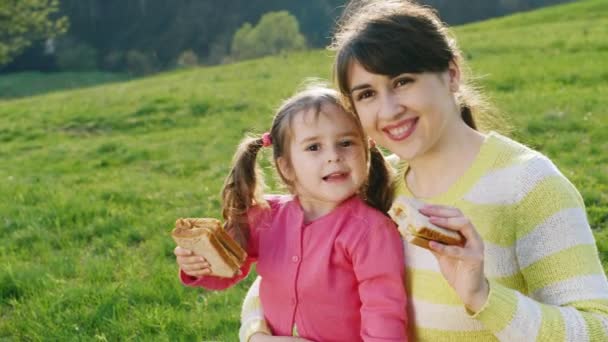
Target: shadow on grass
[(24, 84)]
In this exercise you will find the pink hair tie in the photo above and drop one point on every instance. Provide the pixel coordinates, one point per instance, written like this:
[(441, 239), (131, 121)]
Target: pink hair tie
[(371, 142), (266, 139)]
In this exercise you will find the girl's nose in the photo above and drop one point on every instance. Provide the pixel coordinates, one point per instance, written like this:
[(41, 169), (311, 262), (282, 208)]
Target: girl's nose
[(334, 155)]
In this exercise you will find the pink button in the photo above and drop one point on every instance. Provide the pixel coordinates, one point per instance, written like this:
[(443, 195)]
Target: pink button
[(295, 258)]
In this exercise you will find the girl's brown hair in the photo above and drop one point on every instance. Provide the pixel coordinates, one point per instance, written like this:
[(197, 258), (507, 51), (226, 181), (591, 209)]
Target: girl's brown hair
[(391, 37), (244, 184)]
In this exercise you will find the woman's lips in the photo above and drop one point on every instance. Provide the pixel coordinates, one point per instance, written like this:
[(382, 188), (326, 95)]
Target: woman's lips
[(401, 130)]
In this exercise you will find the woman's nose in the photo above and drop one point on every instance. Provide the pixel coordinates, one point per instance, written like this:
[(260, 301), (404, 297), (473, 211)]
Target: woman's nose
[(390, 105)]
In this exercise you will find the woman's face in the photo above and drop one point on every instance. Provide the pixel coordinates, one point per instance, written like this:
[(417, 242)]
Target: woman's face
[(409, 113)]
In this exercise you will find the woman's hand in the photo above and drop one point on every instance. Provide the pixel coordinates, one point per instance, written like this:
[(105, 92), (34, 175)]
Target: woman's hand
[(193, 265), (461, 266), (261, 337)]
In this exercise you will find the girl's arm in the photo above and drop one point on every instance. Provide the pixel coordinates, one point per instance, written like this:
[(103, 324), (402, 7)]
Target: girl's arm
[(378, 262), (256, 216), (217, 283)]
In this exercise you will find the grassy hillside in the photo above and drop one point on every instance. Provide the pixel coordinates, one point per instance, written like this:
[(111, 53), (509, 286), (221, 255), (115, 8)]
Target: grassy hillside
[(25, 84), (92, 180)]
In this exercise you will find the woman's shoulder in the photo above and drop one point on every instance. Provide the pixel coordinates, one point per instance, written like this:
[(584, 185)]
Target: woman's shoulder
[(513, 154), (517, 172)]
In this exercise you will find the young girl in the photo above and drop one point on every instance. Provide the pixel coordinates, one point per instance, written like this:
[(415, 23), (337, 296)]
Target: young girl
[(331, 260)]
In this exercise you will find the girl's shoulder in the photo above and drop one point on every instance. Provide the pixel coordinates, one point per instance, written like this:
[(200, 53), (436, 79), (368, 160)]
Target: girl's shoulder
[(262, 214), (366, 217)]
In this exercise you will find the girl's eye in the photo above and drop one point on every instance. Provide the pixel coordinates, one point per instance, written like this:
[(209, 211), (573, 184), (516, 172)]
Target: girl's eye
[(403, 81), (313, 147), (346, 143), (364, 95)]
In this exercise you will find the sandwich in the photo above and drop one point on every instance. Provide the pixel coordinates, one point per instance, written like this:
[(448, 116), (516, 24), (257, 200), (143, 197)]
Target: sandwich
[(416, 228), (207, 238)]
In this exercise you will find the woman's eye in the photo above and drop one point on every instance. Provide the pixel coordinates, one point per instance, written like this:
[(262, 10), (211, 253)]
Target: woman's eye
[(403, 81), (313, 147), (364, 95)]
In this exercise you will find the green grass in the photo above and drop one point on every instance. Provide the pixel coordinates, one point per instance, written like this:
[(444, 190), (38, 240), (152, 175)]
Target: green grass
[(35, 83), (92, 180)]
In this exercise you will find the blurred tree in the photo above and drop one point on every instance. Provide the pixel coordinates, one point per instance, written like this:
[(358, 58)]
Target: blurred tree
[(25, 21), (275, 33)]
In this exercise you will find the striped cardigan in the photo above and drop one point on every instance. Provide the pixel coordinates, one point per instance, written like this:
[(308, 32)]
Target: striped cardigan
[(546, 280)]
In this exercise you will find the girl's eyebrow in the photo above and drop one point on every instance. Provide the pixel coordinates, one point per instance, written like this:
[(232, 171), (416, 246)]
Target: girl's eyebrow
[(339, 135), (309, 139)]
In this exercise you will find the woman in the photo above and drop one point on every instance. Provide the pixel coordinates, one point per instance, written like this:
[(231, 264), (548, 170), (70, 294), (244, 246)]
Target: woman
[(529, 269)]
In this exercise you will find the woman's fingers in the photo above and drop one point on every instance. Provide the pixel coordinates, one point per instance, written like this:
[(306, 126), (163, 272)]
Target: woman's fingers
[(440, 210), (455, 252), (451, 218), (459, 223)]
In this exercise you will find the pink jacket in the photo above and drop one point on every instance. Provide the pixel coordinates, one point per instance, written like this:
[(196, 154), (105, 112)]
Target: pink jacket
[(339, 278)]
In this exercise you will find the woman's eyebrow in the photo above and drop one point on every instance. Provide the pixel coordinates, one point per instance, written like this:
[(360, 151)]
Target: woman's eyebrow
[(359, 87)]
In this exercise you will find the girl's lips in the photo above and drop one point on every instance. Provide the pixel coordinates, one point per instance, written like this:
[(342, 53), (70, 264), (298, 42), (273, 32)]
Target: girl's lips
[(336, 176), (401, 130)]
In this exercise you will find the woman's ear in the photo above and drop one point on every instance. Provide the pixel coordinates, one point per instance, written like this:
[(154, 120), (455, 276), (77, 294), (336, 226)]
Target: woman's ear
[(285, 169), (454, 76)]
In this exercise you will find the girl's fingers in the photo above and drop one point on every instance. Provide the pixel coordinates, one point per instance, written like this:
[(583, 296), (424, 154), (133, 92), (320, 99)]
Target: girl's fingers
[(179, 251), (440, 210), (190, 259), (198, 273), (195, 267)]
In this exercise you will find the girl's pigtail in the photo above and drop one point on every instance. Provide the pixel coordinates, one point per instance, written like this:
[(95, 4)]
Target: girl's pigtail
[(242, 189), (380, 191)]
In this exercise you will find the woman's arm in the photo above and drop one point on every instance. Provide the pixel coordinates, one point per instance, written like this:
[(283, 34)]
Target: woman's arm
[(378, 263), (252, 314), (567, 295), (567, 291)]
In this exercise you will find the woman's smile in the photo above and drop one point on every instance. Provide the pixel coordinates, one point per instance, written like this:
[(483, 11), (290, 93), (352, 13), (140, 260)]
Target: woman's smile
[(401, 130)]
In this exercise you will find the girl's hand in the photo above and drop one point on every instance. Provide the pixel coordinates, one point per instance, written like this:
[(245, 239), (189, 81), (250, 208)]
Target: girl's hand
[(461, 266), (261, 337), (193, 265)]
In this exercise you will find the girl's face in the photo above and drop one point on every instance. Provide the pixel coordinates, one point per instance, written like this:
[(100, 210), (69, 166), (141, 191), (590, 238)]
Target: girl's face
[(408, 114), (327, 155)]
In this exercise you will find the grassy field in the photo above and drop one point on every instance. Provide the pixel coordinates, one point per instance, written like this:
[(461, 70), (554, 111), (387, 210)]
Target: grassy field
[(25, 84), (92, 180)]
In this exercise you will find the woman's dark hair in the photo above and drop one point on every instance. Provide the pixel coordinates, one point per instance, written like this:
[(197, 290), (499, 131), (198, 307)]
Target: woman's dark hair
[(244, 184), (391, 37)]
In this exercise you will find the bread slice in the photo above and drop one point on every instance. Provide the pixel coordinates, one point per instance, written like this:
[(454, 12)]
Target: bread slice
[(207, 238), (416, 228)]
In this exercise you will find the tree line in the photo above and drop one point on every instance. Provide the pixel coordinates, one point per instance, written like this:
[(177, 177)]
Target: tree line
[(144, 36)]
